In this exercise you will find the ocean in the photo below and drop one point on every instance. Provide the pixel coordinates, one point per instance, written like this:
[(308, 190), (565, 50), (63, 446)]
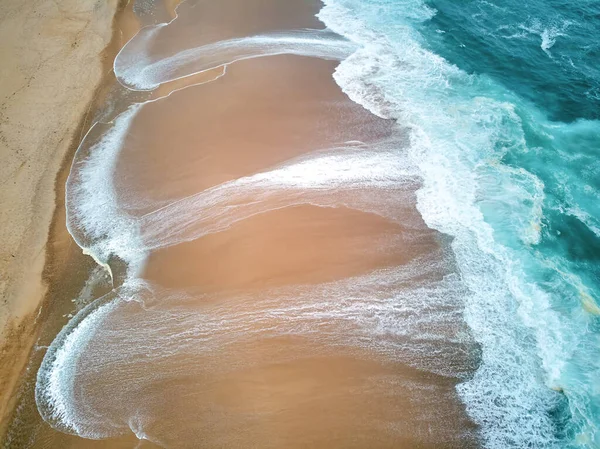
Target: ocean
[(356, 223), (503, 101)]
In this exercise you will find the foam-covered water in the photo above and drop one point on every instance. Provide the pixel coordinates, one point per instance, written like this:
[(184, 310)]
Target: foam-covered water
[(511, 175), (516, 190), (138, 70), (360, 313)]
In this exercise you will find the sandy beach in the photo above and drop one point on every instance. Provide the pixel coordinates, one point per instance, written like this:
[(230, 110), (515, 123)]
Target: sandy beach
[(52, 63)]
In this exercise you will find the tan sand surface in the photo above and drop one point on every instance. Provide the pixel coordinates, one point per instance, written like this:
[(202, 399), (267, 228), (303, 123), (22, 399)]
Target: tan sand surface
[(52, 62)]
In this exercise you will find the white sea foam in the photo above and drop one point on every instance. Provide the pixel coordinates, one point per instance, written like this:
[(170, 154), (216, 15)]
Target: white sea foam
[(55, 388), (94, 217), (452, 140), (138, 70), (164, 335), (398, 79), (326, 179), (548, 33)]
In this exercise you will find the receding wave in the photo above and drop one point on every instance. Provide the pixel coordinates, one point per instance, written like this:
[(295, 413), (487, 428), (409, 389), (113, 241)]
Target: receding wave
[(149, 335), (136, 69), (328, 177)]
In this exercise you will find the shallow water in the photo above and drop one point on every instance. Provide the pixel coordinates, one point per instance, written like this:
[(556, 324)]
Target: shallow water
[(501, 99)]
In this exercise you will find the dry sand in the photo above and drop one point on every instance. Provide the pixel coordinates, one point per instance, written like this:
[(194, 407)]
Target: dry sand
[(52, 62)]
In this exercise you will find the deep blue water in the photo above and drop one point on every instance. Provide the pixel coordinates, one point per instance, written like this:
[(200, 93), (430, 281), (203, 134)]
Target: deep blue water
[(503, 99), (545, 51)]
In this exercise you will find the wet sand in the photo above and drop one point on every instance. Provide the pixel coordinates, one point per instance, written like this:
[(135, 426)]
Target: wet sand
[(303, 322)]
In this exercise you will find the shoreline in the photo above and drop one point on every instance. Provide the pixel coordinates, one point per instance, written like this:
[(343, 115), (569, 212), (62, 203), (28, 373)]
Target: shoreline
[(285, 94), (44, 241)]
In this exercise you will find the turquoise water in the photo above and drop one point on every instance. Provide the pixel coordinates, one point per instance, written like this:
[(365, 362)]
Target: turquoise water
[(503, 101)]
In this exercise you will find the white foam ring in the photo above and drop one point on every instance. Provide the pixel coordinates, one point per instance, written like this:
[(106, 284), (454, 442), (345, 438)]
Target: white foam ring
[(55, 389), (328, 180), (330, 177), (136, 69)]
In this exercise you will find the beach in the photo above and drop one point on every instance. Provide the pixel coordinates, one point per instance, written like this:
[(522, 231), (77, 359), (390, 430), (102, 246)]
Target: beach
[(53, 61), (290, 224)]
